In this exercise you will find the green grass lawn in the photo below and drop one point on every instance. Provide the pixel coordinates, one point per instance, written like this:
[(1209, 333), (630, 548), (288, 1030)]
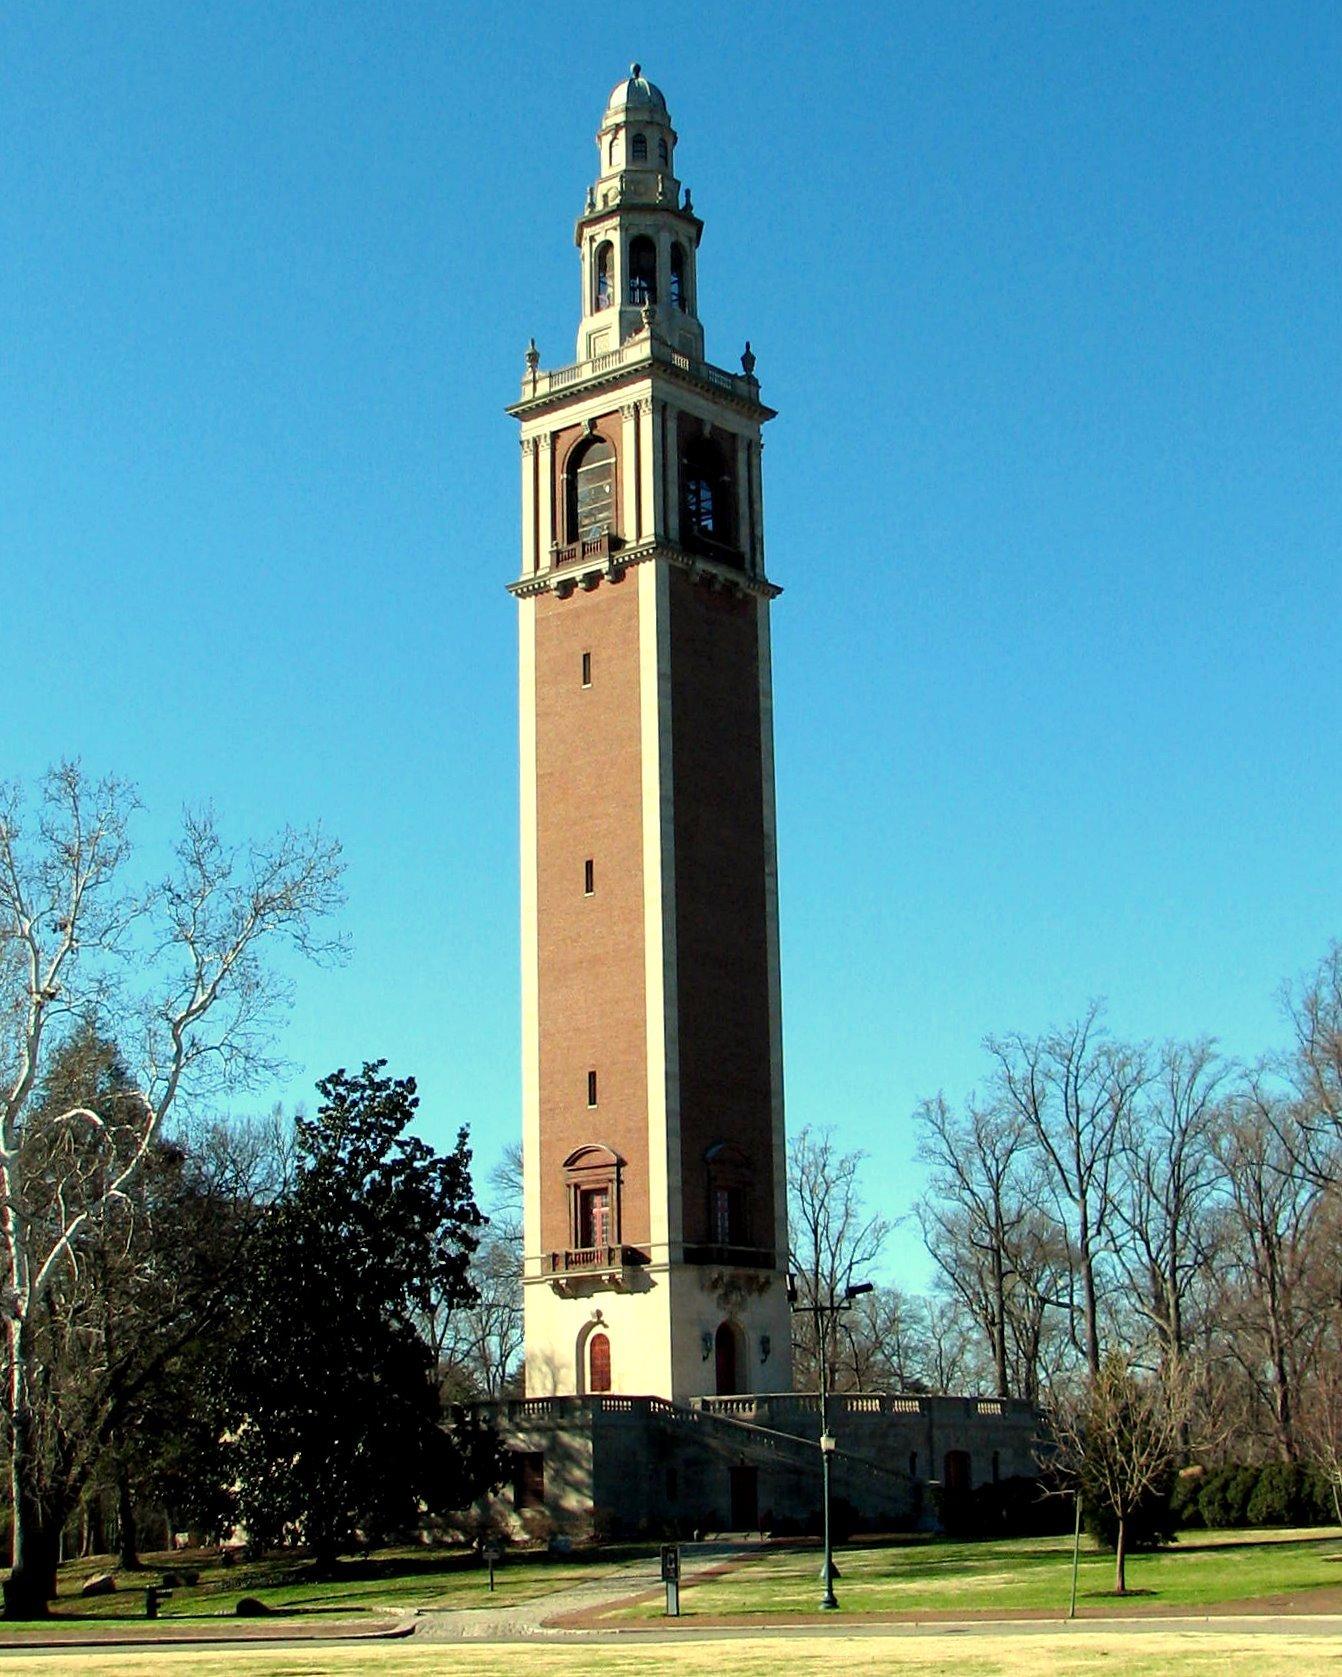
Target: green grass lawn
[(1028, 1574), (915, 1576), (392, 1580)]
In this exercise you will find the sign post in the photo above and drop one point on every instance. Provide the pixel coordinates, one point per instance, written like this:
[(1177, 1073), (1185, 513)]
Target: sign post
[(671, 1578), (1076, 1556), (492, 1554)]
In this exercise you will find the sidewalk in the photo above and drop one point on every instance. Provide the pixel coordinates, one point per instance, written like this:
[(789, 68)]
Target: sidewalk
[(204, 1632)]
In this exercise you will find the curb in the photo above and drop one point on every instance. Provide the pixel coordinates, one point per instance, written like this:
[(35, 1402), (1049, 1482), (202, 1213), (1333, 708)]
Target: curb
[(207, 1638)]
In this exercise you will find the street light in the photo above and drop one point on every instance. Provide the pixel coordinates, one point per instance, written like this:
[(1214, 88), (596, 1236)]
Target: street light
[(827, 1569), (822, 1310)]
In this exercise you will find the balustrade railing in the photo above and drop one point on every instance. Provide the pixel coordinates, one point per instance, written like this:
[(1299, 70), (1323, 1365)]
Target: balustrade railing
[(594, 1257), (638, 349)]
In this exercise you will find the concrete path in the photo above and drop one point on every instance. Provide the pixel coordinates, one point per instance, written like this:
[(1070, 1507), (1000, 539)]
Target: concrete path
[(532, 1618)]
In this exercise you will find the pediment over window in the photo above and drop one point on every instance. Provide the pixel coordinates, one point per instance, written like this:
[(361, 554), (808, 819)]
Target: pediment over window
[(593, 1156), (726, 1159)]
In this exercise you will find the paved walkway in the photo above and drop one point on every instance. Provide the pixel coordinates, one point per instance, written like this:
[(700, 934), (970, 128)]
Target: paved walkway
[(62, 1637), (534, 1618)]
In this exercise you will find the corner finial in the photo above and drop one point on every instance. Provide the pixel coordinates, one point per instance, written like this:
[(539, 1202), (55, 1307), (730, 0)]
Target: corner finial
[(748, 361), (533, 357)]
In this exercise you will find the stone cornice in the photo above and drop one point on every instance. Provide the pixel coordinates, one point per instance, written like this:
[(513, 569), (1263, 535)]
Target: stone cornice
[(637, 358), (585, 574)]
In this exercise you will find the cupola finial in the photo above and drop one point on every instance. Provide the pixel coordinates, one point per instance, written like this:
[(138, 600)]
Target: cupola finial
[(635, 70)]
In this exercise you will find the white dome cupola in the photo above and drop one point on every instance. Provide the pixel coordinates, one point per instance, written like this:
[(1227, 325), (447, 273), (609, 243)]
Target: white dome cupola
[(638, 239)]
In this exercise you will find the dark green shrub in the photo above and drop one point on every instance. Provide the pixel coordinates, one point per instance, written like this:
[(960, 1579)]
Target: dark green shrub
[(1018, 1507), (1319, 1504), (1213, 1502), (1184, 1510), (1243, 1483), (1224, 1498), (1150, 1525), (1276, 1499)]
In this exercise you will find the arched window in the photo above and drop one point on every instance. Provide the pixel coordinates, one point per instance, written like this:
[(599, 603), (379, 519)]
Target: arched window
[(706, 498), (598, 1363), (663, 156), (642, 270), (605, 256), (610, 153), (591, 490), (729, 1194), (639, 150), (592, 1182), (678, 298)]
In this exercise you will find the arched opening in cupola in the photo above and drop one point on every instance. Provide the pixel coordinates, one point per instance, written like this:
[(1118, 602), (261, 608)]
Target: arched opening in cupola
[(642, 270), (604, 268), (679, 294)]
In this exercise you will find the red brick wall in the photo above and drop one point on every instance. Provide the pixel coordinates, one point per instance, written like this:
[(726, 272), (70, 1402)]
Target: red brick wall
[(721, 947), (589, 803)]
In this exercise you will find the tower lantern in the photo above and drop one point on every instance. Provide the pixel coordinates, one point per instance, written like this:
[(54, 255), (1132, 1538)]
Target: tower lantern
[(655, 1195), (638, 241)]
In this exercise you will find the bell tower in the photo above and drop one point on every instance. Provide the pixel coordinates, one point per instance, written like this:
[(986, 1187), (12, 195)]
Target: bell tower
[(652, 1083)]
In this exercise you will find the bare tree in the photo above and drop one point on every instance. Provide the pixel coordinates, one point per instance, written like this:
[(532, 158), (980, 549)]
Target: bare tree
[(835, 1242), (1074, 1088), (202, 1017), (1320, 1427), (885, 1341), (479, 1347), (951, 1361), (1314, 1066), (977, 1216), (1119, 1442), (1166, 1173), (1270, 1313)]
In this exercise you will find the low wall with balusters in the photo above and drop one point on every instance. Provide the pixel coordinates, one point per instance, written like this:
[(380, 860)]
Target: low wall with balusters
[(612, 1465)]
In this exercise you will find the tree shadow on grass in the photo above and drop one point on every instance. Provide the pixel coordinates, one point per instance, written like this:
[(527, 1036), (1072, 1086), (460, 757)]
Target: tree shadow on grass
[(934, 1567)]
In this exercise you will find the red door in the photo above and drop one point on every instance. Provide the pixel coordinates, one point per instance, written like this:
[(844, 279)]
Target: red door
[(598, 1362), (724, 1347)]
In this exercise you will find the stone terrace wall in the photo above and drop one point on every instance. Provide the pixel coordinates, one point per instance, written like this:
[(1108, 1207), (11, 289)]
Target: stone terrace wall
[(625, 1465)]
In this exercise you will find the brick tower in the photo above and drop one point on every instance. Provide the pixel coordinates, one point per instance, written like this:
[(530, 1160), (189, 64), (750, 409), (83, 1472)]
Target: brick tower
[(652, 1083)]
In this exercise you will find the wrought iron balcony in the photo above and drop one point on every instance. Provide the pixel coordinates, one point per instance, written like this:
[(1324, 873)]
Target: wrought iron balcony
[(586, 1259)]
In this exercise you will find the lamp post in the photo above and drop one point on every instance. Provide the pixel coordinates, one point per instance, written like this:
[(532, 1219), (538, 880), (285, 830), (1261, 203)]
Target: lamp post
[(826, 1313), (828, 1600)]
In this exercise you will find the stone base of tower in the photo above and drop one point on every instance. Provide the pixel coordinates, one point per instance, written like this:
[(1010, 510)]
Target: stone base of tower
[(608, 1466), (678, 1331)]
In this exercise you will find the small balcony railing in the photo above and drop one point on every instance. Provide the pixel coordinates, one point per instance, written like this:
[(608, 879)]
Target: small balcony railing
[(588, 1259), (732, 1257), (592, 548)]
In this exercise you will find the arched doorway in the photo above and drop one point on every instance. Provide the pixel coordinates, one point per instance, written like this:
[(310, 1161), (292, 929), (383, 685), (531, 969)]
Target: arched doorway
[(598, 1363), (724, 1353), (956, 1473)]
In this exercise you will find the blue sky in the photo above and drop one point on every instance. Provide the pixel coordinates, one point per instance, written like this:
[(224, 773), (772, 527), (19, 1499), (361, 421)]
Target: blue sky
[(1047, 300)]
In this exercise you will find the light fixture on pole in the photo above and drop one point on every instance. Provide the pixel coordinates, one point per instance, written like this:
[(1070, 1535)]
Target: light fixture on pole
[(827, 1570), (826, 1313)]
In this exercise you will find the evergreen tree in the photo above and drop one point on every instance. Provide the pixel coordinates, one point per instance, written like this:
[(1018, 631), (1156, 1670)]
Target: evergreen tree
[(337, 1422)]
